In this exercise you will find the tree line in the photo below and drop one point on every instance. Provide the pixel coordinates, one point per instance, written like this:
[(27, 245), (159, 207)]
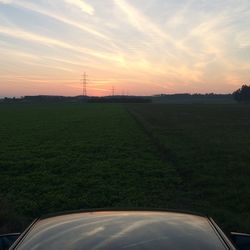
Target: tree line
[(242, 94)]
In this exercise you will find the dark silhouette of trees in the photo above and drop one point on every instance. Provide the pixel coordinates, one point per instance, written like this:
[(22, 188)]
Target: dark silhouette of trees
[(242, 94)]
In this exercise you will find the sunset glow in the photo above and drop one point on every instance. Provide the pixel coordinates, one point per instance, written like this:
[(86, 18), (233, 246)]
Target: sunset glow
[(139, 47)]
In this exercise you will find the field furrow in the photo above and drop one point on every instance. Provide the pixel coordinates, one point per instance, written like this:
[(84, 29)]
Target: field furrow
[(208, 145)]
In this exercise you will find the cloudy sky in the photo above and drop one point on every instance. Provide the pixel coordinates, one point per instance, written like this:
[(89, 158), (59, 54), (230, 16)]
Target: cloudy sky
[(136, 46)]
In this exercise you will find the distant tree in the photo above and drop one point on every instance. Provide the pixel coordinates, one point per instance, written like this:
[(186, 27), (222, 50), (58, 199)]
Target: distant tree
[(242, 94)]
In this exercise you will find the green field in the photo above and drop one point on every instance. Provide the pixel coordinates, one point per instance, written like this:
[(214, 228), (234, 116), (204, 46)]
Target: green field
[(73, 156), (209, 147)]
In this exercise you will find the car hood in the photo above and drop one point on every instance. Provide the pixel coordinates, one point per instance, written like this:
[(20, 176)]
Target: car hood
[(123, 230)]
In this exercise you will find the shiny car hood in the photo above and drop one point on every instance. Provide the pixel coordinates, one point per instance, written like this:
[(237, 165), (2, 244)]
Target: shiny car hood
[(123, 230)]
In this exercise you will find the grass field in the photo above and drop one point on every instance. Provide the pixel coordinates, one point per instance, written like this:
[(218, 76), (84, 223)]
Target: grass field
[(63, 157), (209, 147), (69, 156)]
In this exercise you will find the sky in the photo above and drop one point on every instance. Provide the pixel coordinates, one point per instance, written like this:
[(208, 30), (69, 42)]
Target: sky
[(136, 47)]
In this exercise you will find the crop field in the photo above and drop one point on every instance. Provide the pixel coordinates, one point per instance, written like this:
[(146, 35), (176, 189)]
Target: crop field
[(72, 156), (209, 147), (56, 157)]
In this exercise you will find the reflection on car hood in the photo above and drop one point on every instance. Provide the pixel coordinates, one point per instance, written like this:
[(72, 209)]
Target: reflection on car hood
[(123, 230)]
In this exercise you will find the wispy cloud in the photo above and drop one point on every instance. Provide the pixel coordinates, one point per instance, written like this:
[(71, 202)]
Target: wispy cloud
[(158, 36), (5, 1), (59, 17), (164, 45), (47, 41), (139, 21), (82, 5)]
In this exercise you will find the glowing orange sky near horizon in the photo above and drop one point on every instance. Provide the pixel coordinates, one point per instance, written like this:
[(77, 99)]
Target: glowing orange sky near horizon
[(137, 47)]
